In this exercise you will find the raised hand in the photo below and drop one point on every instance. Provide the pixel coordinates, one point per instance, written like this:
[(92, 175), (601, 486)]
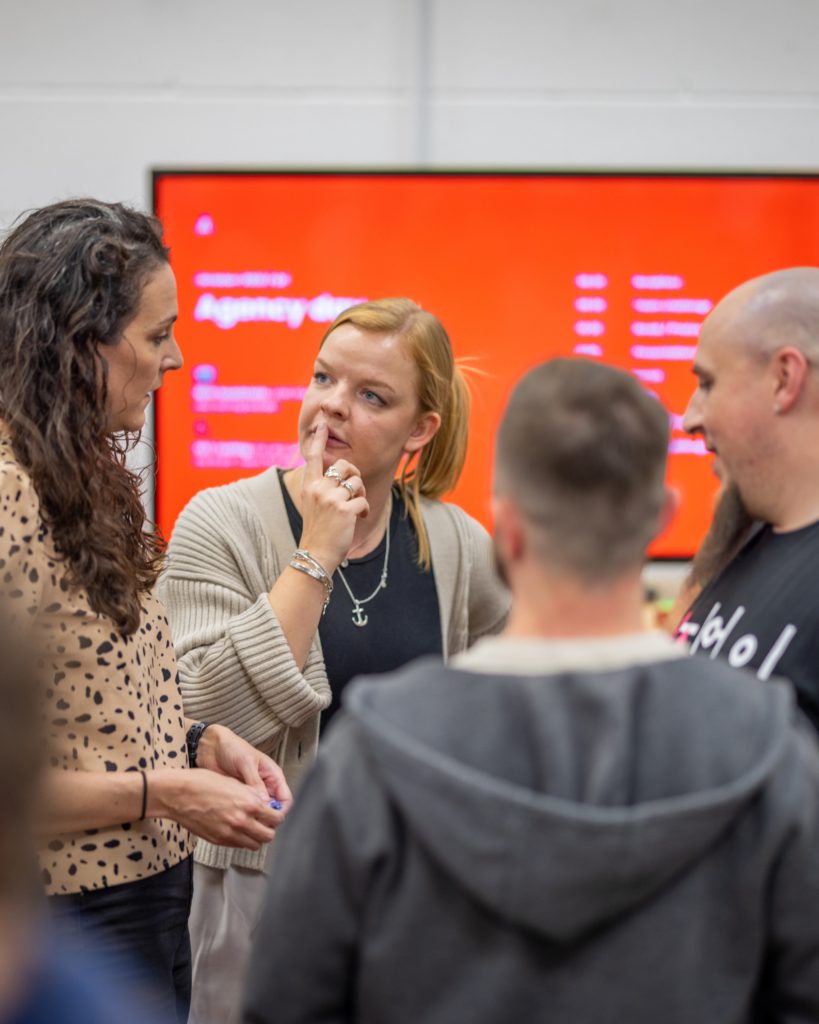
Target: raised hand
[(331, 503)]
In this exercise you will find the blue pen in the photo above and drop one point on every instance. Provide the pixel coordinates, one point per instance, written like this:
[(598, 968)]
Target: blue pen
[(276, 805)]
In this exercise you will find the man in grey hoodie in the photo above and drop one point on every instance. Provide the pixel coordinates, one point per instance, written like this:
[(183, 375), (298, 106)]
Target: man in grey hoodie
[(572, 822)]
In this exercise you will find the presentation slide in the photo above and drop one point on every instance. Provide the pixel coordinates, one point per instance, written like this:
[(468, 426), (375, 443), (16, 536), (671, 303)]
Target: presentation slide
[(519, 268)]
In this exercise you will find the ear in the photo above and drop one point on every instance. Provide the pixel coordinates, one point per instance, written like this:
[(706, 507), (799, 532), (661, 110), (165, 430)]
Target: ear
[(426, 427), (789, 369), (508, 530), (671, 505)]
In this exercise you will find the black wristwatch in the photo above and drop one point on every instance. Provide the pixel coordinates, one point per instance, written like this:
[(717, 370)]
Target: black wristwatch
[(192, 741)]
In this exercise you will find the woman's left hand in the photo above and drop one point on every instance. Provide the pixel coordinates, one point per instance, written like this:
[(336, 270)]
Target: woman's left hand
[(222, 751)]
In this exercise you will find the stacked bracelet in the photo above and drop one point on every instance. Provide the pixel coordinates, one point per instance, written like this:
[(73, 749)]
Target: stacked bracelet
[(304, 562)]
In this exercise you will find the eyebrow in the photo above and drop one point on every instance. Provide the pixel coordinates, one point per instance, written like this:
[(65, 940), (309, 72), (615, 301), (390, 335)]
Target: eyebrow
[(370, 382), (167, 321)]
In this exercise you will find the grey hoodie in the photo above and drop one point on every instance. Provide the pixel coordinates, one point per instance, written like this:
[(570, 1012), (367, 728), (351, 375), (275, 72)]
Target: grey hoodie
[(633, 845)]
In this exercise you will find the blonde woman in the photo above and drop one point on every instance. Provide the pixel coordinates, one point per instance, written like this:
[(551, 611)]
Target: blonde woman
[(282, 587)]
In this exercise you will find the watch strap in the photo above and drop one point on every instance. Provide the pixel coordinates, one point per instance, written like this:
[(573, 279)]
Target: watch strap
[(192, 741)]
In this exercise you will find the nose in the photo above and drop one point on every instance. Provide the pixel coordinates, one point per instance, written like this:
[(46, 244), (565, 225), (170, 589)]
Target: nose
[(173, 359), (692, 420), (334, 403)]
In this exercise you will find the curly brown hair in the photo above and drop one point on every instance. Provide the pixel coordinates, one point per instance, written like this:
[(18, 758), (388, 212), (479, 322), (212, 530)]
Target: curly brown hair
[(71, 278)]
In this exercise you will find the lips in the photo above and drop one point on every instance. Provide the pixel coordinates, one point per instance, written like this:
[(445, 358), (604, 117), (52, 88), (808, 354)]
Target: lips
[(716, 465), (333, 440)]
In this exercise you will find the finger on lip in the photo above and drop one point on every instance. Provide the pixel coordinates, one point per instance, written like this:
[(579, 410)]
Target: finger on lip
[(314, 446), (320, 432)]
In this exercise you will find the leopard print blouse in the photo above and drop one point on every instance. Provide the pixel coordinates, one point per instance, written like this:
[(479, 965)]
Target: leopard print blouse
[(112, 703)]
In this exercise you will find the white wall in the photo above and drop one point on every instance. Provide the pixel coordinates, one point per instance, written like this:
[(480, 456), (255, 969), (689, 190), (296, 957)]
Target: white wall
[(93, 93)]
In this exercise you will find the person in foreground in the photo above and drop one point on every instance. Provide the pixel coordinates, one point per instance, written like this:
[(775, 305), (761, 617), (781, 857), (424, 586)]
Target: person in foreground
[(757, 406), (44, 977), (87, 308), (283, 586), (572, 821)]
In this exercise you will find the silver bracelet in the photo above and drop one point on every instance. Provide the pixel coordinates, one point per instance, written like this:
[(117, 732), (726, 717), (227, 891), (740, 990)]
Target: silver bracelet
[(322, 577), (305, 556)]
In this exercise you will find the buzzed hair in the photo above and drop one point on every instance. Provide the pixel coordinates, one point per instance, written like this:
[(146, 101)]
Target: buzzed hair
[(581, 450)]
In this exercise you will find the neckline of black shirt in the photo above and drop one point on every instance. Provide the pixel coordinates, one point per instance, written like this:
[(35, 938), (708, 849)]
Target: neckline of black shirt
[(402, 622)]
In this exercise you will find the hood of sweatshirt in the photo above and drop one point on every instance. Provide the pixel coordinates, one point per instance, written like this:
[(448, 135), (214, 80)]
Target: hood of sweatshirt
[(564, 800)]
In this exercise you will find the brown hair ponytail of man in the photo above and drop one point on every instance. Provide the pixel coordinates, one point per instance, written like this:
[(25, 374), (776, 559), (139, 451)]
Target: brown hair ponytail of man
[(442, 389)]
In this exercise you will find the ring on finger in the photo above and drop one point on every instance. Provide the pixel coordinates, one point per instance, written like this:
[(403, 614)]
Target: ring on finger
[(334, 474), (348, 487)]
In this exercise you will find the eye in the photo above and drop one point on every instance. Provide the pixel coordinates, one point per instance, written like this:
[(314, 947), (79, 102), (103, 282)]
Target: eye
[(371, 396), (320, 377)]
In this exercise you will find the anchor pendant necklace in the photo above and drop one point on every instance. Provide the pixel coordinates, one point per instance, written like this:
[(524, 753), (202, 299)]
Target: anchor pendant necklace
[(359, 616)]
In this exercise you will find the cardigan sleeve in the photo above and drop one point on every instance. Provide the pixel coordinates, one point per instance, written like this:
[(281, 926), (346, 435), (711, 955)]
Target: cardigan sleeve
[(235, 665), (488, 597)]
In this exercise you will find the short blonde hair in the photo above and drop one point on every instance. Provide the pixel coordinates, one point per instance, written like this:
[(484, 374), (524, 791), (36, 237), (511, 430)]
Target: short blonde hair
[(442, 389)]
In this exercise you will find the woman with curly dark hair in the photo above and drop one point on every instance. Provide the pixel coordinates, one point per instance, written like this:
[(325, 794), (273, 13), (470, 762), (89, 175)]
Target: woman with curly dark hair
[(87, 308)]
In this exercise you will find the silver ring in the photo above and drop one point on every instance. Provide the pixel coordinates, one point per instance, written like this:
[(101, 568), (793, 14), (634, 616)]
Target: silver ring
[(348, 487), (334, 474)]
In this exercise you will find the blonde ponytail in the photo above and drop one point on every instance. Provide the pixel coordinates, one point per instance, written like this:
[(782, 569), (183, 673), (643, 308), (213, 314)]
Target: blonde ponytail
[(438, 467)]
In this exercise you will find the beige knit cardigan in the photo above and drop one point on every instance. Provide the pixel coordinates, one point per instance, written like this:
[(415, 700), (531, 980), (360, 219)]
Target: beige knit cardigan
[(228, 547)]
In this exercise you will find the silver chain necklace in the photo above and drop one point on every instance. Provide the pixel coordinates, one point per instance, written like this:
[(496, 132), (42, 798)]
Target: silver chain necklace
[(359, 618)]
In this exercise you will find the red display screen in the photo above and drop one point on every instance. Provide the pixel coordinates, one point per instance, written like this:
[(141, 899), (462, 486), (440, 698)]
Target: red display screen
[(518, 267)]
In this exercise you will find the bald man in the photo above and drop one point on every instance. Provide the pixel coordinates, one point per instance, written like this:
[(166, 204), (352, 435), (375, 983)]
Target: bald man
[(757, 407)]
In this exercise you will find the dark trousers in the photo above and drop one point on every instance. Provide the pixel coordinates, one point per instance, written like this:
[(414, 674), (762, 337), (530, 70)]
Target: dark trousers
[(142, 930)]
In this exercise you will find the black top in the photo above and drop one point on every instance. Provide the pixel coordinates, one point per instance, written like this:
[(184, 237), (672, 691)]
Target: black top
[(403, 620), (762, 611)]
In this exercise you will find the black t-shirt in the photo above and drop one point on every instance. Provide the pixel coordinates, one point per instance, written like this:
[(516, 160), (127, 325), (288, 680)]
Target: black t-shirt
[(762, 611), (402, 622)]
